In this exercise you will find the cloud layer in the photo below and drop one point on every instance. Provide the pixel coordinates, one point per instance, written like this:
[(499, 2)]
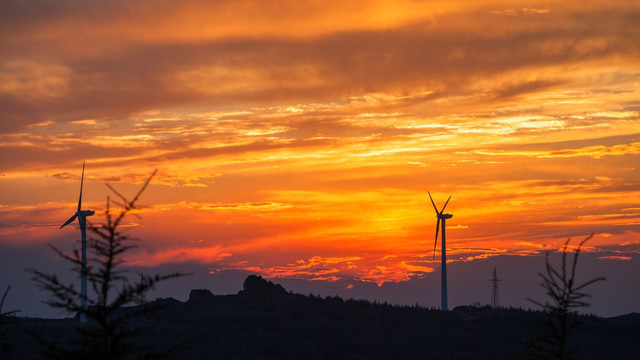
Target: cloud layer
[(311, 131)]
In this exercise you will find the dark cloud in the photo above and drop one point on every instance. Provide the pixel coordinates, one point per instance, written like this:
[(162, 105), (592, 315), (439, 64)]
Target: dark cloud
[(37, 156), (525, 87), (65, 176)]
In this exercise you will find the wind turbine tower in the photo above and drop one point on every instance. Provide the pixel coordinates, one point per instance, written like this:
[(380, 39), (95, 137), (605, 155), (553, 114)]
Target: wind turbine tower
[(442, 218), (81, 215), (495, 296)]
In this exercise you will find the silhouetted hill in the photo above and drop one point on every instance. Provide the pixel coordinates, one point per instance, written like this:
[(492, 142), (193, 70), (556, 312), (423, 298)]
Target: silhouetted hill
[(264, 321)]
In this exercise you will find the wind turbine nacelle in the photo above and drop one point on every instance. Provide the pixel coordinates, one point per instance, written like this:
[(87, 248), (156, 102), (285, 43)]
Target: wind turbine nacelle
[(86, 212), (446, 216)]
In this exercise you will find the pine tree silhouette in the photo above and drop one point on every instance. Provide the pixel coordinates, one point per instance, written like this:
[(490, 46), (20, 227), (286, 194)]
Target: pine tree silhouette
[(565, 298), (107, 335)]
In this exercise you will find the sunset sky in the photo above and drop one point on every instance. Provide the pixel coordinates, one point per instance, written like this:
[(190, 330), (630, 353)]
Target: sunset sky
[(298, 139)]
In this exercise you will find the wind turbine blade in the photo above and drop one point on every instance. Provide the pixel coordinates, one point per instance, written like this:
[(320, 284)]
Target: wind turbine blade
[(434, 204), (445, 204), (435, 244), (81, 183), (69, 221)]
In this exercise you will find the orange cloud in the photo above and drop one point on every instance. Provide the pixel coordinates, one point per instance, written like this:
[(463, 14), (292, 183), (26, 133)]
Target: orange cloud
[(592, 151), (614, 257)]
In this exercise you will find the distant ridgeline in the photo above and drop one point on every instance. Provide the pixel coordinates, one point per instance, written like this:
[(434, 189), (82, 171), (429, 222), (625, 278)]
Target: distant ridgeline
[(265, 321)]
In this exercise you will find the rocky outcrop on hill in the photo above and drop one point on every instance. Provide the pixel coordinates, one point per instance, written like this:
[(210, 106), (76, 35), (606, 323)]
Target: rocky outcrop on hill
[(256, 286), (201, 297)]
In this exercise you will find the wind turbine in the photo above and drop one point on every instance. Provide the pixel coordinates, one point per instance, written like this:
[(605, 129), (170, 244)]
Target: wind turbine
[(442, 217), (81, 215)]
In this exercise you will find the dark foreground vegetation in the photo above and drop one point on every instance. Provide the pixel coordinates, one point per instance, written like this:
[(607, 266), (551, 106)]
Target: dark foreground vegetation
[(264, 321)]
